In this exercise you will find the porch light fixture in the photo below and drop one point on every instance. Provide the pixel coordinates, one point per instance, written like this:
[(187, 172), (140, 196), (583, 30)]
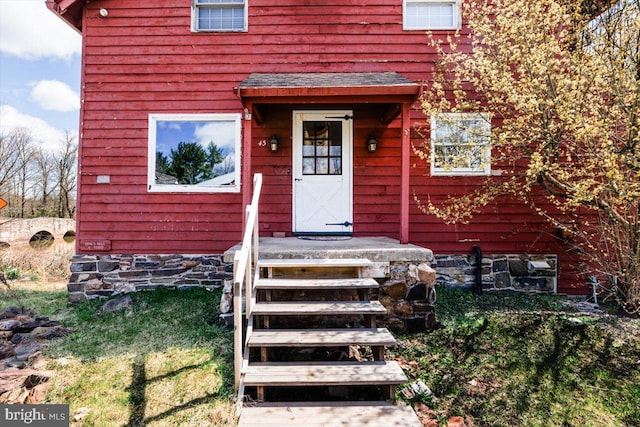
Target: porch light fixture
[(274, 144), (104, 13), (372, 144)]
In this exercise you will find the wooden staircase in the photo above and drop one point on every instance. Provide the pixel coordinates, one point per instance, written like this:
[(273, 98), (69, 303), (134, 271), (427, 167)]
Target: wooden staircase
[(307, 316), (283, 376)]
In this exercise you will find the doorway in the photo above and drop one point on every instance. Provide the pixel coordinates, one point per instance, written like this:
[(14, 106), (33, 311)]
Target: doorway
[(322, 172)]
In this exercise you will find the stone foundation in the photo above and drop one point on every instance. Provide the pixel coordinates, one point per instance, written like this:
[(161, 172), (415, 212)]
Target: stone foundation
[(406, 287), (103, 276), (408, 295), (406, 291), (525, 273)]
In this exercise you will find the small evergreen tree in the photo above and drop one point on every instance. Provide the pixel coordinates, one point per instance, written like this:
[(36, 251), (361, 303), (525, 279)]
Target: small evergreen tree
[(215, 155), (190, 163), (162, 163)]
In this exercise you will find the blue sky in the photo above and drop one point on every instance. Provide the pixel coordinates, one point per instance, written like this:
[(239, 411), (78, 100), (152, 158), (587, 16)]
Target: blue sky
[(39, 72), (170, 133)]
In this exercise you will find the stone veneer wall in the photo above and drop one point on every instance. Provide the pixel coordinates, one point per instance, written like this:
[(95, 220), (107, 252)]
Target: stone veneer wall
[(406, 290), (102, 276), (525, 273), (408, 294)]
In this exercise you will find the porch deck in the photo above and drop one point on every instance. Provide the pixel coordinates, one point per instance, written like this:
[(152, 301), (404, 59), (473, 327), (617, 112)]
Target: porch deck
[(376, 249)]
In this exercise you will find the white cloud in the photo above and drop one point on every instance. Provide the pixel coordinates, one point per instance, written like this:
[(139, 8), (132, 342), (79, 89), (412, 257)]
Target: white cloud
[(29, 30), (221, 133), (55, 95), (41, 131)]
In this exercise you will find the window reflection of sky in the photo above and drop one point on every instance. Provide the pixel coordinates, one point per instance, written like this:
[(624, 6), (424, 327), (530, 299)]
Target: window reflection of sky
[(169, 133)]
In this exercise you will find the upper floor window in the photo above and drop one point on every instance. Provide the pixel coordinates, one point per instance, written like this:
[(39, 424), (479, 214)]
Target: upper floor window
[(194, 153), (431, 14), (461, 144), (219, 15)]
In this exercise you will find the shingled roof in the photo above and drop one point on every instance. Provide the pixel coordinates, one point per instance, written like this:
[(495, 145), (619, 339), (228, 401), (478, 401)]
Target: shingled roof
[(387, 87), (282, 80)]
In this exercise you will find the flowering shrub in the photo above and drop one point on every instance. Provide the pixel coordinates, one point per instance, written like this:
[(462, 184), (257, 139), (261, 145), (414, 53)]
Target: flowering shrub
[(561, 81)]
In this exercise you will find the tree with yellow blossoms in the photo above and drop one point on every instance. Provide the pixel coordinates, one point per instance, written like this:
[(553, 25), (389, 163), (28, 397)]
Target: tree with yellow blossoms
[(561, 83)]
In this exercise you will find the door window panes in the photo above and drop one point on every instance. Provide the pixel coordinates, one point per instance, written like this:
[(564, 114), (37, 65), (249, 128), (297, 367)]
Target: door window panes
[(322, 148)]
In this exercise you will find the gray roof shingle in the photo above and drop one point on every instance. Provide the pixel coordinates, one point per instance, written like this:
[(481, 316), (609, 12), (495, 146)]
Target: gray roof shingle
[(283, 80)]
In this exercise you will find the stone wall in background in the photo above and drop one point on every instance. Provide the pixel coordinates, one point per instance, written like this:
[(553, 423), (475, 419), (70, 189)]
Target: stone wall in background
[(526, 273), (102, 276), (17, 230)]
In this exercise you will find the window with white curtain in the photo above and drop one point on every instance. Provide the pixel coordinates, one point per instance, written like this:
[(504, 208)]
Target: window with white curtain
[(431, 14), (219, 15)]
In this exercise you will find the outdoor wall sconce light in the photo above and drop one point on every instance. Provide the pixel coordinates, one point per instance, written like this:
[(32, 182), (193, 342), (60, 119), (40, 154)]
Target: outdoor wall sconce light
[(104, 13), (274, 144), (372, 144)]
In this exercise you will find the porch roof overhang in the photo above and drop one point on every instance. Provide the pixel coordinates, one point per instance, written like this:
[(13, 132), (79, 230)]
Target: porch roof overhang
[(329, 88)]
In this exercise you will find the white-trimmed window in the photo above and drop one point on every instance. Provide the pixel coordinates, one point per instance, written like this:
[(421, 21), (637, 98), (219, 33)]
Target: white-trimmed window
[(431, 14), (194, 153), (219, 15), (461, 144)]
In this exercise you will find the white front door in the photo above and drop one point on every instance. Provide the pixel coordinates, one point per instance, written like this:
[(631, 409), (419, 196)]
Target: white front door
[(322, 172)]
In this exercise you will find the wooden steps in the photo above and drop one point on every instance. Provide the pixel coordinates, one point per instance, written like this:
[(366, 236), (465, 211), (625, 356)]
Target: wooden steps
[(316, 284), (324, 374), (321, 337), (314, 263), (339, 301), (329, 414), (314, 268), (318, 308)]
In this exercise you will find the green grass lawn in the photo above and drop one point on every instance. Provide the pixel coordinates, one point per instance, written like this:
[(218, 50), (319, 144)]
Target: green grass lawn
[(496, 360), (165, 361), (518, 360)]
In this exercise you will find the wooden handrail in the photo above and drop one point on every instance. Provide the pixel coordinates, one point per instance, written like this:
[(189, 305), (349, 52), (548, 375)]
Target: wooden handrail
[(244, 268)]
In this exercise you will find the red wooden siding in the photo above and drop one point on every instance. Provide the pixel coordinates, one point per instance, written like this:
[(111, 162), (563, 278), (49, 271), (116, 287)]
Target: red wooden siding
[(144, 59)]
